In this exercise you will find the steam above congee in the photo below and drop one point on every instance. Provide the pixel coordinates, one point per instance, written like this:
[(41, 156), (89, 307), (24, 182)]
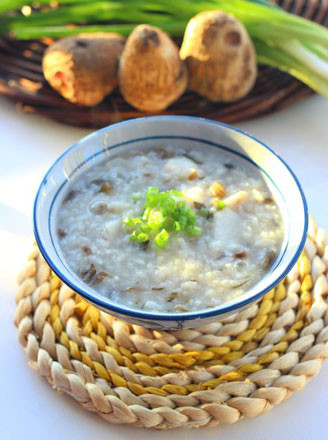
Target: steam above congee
[(170, 229)]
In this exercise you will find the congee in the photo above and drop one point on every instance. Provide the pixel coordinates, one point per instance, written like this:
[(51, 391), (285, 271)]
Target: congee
[(170, 230)]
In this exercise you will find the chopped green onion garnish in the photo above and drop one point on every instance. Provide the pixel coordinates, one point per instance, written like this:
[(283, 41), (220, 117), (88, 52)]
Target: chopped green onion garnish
[(194, 230), (192, 217), (127, 221), (182, 205), (164, 212), (152, 190), (155, 219), (161, 238), (220, 204), (134, 236), (174, 192), (145, 215), (176, 227), (168, 223), (136, 196), (204, 212), (142, 237), (145, 228), (183, 222)]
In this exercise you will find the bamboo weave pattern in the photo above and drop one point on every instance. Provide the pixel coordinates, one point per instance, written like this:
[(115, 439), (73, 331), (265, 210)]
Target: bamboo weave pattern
[(219, 373)]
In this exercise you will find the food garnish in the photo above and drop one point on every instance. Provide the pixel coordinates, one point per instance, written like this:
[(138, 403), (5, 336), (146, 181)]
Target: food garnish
[(164, 212), (218, 204)]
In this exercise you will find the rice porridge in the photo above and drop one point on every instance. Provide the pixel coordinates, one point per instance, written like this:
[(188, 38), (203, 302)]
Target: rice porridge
[(170, 230)]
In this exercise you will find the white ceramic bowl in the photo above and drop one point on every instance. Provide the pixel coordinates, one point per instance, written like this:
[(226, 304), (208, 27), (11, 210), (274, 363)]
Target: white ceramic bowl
[(185, 132)]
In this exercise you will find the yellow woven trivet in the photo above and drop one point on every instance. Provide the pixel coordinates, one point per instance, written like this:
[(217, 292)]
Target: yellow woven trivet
[(214, 374)]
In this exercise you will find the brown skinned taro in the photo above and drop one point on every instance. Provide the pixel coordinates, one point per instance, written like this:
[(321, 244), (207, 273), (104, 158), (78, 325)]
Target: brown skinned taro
[(83, 68), (151, 74), (220, 56)]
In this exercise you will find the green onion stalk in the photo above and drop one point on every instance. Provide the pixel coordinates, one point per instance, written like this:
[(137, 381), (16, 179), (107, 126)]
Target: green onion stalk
[(282, 40)]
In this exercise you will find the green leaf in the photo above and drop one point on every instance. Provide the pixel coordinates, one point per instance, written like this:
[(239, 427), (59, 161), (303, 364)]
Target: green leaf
[(161, 238), (143, 237), (220, 204)]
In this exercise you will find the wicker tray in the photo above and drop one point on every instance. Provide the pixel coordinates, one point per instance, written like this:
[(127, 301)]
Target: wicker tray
[(22, 81), (219, 373)]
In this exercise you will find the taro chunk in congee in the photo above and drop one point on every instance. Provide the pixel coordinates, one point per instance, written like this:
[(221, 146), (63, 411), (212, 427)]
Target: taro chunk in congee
[(169, 229)]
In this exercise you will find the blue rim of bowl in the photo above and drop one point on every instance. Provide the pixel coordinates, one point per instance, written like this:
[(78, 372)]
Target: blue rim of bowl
[(181, 316)]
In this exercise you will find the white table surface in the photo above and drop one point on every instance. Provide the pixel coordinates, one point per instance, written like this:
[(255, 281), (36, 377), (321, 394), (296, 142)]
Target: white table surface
[(29, 408)]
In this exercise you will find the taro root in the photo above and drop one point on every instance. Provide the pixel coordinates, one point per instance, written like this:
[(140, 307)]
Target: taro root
[(218, 190), (193, 174), (98, 207), (151, 74), (236, 199), (182, 168), (220, 56), (83, 68)]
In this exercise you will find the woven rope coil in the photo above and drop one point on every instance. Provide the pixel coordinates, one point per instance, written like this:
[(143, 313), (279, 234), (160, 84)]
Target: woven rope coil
[(219, 373)]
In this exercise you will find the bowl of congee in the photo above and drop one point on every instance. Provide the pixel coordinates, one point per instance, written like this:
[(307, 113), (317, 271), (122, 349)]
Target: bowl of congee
[(170, 221)]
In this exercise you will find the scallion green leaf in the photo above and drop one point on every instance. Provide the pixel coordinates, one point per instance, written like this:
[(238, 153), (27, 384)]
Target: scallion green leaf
[(194, 230), (176, 227), (161, 238), (143, 237), (155, 219), (134, 236), (220, 204), (204, 212), (164, 212), (136, 196), (128, 221)]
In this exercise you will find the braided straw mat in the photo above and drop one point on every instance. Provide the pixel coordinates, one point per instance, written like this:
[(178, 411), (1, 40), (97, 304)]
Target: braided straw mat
[(219, 373)]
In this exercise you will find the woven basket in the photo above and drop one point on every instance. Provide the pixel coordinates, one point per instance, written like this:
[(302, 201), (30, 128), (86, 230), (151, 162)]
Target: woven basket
[(22, 81)]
